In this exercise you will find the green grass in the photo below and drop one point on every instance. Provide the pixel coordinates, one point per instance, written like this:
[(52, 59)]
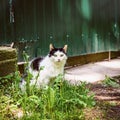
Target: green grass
[(110, 82), (59, 101)]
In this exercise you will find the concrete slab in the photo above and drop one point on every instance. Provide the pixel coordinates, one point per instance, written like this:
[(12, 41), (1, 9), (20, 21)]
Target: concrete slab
[(93, 72)]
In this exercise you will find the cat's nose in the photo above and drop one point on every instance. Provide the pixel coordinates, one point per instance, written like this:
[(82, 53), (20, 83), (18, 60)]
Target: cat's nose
[(58, 60)]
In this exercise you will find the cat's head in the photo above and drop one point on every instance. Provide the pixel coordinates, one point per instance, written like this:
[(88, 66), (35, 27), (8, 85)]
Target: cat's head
[(58, 55)]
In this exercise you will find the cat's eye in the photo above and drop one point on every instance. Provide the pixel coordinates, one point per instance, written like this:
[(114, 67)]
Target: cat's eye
[(61, 55), (55, 55)]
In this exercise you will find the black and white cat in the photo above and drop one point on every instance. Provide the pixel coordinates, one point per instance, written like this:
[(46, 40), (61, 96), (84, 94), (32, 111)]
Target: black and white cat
[(53, 65)]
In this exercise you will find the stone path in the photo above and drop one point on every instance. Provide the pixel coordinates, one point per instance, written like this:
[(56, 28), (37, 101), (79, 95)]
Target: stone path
[(93, 72)]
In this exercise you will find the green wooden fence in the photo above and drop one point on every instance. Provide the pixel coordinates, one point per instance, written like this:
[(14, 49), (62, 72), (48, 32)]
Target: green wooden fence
[(87, 26)]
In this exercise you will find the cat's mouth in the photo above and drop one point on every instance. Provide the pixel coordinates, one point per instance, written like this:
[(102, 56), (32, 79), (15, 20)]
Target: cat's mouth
[(58, 61)]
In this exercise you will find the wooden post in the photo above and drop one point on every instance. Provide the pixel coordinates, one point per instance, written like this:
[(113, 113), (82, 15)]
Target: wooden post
[(109, 56)]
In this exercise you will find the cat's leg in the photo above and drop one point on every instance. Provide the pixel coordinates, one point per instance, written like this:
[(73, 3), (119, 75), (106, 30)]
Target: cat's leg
[(22, 85), (42, 81)]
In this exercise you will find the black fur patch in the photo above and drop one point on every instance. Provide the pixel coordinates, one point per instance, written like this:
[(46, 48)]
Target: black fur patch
[(51, 53), (35, 63)]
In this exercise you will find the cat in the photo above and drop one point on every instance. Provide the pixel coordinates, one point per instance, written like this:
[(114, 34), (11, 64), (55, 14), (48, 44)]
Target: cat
[(44, 69)]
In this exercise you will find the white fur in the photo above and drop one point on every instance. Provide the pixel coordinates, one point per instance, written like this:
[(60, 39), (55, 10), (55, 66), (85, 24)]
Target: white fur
[(52, 67)]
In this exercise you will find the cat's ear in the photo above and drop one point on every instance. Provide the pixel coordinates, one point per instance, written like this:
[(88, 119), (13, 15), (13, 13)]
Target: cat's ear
[(65, 48), (51, 47)]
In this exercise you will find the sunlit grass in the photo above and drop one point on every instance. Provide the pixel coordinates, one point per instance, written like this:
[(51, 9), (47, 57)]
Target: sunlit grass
[(60, 100)]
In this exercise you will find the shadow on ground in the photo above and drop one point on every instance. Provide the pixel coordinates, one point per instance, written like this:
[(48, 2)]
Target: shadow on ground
[(108, 102)]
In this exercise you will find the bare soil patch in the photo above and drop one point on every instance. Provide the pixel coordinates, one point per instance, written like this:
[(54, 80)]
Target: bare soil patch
[(108, 102)]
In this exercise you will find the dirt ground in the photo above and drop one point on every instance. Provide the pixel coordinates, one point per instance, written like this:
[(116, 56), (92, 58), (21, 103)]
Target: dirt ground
[(108, 102)]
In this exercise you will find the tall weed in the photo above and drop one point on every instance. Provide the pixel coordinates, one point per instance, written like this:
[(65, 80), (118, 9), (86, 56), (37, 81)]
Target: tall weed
[(59, 101)]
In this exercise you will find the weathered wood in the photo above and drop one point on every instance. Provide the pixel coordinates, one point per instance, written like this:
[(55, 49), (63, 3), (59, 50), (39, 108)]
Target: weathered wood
[(8, 60), (7, 53), (84, 59)]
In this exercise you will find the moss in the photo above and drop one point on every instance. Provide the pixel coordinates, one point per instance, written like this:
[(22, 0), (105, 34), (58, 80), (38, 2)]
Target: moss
[(7, 67), (8, 60), (7, 53)]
